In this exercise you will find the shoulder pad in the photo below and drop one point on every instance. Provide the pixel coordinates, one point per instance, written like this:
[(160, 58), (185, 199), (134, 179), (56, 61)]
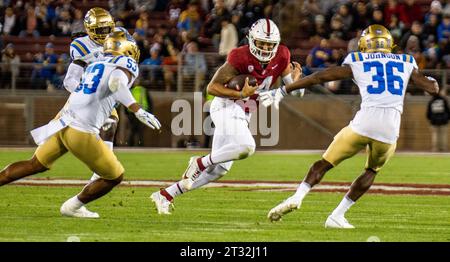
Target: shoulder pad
[(127, 63), (237, 58), (284, 50), (79, 49), (351, 58)]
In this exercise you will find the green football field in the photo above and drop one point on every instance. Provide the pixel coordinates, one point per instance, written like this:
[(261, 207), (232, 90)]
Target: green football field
[(31, 213)]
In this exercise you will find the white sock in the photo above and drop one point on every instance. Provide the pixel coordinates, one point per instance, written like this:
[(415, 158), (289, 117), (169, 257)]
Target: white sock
[(302, 191), (209, 176), (205, 178), (75, 203), (343, 207), (110, 145), (175, 190), (206, 161)]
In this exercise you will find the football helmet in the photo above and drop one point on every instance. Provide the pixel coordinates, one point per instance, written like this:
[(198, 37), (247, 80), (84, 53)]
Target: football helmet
[(121, 43), (98, 24), (376, 38), (264, 30)]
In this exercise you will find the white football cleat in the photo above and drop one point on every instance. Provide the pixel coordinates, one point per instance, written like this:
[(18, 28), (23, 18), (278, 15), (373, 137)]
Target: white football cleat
[(284, 208), (162, 204), (81, 212), (337, 222), (191, 174)]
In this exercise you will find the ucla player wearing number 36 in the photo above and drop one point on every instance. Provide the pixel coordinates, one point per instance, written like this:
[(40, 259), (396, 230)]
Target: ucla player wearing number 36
[(77, 127), (382, 78)]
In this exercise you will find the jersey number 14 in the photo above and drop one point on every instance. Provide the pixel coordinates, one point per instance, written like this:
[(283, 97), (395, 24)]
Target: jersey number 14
[(385, 77)]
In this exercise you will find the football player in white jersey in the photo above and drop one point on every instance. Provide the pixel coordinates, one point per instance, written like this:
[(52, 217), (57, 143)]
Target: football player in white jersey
[(87, 49), (382, 78), (267, 60), (77, 127), (84, 50)]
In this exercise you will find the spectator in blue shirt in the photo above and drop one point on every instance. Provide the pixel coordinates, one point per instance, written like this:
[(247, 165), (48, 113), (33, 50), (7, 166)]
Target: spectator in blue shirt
[(49, 61), (153, 64), (443, 30), (320, 55)]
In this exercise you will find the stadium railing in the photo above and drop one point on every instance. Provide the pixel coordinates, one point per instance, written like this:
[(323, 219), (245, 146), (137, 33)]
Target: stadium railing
[(191, 73)]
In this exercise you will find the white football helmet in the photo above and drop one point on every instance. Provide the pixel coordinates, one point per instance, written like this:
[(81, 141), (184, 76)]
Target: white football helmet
[(264, 30)]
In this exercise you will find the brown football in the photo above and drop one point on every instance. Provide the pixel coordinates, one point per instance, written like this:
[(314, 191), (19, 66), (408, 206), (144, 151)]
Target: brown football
[(238, 82)]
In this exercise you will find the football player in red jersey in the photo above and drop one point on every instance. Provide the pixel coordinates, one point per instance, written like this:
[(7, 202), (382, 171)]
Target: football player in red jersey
[(266, 60)]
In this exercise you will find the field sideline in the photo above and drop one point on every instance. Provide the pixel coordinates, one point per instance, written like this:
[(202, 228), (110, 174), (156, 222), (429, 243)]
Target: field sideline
[(235, 208)]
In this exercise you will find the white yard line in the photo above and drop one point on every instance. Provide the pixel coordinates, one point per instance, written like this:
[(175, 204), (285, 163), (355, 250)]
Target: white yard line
[(260, 150), (235, 184)]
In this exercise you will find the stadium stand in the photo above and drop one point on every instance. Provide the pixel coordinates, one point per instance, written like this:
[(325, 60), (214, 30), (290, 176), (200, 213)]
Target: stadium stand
[(297, 27)]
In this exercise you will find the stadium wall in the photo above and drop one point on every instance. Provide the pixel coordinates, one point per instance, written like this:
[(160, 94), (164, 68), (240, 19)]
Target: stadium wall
[(307, 123)]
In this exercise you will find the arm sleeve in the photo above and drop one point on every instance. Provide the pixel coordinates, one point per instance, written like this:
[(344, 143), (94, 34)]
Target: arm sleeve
[(118, 84), (73, 77)]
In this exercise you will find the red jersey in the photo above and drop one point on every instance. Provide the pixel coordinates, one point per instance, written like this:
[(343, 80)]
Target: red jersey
[(244, 62)]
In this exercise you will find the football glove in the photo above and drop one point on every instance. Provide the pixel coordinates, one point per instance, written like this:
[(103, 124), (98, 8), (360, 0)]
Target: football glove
[(274, 97), (148, 119)]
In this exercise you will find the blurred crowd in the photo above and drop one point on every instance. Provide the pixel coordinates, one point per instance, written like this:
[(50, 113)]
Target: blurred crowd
[(420, 29), (165, 29)]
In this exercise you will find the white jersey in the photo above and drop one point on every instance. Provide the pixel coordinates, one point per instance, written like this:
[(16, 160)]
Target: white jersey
[(84, 49), (92, 102), (382, 80)]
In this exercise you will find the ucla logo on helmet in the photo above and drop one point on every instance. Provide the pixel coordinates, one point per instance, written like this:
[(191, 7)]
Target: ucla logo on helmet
[(129, 37)]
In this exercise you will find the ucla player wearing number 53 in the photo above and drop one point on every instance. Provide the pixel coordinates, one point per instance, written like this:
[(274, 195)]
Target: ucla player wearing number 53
[(382, 78), (87, 49), (77, 128)]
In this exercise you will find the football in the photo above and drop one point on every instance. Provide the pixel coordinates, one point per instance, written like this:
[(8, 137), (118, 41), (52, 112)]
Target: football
[(238, 82)]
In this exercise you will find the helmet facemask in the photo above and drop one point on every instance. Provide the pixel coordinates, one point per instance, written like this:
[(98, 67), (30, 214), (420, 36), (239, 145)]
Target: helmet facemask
[(260, 53), (376, 38), (98, 24)]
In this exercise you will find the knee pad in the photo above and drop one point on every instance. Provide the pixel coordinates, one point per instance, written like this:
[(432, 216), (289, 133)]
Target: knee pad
[(246, 151)]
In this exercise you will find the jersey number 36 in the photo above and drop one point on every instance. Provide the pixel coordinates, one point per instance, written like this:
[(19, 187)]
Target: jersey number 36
[(385, 77)]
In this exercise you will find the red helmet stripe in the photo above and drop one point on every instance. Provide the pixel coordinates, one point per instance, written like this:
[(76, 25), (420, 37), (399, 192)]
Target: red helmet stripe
[(268, 26)]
